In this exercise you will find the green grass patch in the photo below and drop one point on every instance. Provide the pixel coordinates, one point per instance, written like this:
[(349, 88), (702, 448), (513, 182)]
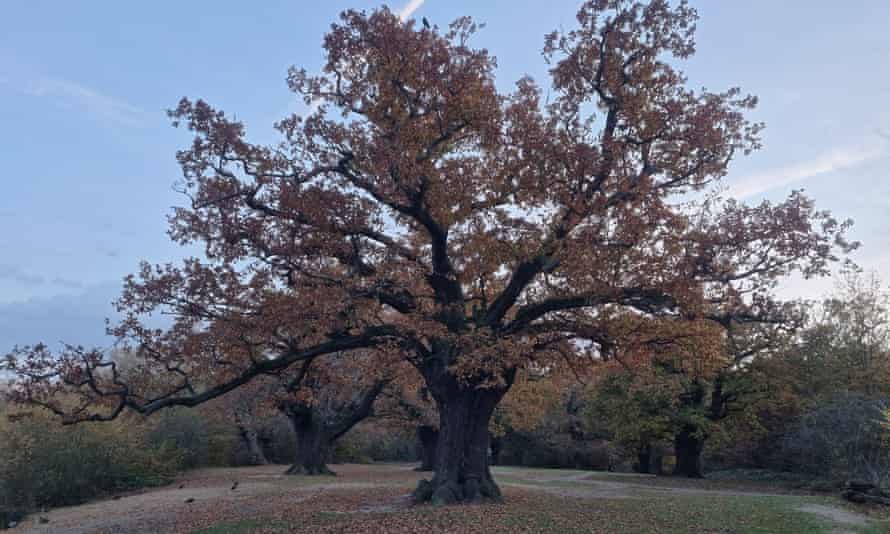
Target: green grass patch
[(244, 526)]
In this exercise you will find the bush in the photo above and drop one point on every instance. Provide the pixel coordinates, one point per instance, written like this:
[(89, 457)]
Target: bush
[(182, 430), (372, 442), (557, 450), (45, 464), (841, 439)]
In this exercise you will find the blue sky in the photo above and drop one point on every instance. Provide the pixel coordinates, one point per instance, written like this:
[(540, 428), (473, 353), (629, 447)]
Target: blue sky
[(88, 154)]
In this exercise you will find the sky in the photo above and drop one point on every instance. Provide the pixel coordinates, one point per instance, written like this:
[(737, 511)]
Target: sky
[(87, 152)]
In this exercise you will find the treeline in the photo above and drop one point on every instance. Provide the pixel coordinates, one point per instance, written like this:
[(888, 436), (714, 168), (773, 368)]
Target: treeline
[(809, 403)]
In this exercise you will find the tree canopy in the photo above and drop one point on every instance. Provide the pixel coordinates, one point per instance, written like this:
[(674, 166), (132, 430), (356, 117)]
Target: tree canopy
[(421, 212)]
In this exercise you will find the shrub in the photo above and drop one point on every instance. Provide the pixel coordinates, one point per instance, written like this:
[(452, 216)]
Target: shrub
[(841, 439), (373, 442), (44, 464), (182, 430), (533, 449)]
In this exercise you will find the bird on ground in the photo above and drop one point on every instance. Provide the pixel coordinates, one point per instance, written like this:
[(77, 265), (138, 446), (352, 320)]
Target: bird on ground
[(234, 485), (426, 23), (190, 499)]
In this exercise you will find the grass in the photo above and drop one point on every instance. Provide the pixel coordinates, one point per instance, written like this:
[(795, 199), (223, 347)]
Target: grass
[(236, 527)]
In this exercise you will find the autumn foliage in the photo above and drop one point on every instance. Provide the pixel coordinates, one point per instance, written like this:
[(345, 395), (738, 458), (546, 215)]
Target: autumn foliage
[(420, 212)]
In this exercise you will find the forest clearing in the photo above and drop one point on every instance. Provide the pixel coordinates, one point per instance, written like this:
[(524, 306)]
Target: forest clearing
[(375, 498), (579, 283)]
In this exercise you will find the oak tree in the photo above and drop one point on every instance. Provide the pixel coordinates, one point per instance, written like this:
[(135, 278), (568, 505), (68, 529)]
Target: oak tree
[(327, 401), (420, 210)]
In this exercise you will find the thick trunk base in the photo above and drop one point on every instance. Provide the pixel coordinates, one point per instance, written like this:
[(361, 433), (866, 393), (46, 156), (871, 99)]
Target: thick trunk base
[(310, 470), (313, 444), (470, 490), (462, 451)]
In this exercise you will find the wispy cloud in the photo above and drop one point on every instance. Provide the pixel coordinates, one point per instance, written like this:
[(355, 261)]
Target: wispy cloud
[(22, 79), (19, 276), (73, 94), (410, 8), (830, 161), (67, 283)]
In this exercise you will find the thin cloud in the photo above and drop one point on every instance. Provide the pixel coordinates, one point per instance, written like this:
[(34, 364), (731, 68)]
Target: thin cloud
[(19, 276), (72, 95), (90, 100), (65, 282), (827, 162), (410, 8)]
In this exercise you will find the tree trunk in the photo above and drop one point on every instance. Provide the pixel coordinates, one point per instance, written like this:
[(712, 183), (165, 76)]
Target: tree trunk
[(688, 447), (251, 441), (497, 443), (644, 455), (313, 445), (462, 462), (317, 430), (428, 437)]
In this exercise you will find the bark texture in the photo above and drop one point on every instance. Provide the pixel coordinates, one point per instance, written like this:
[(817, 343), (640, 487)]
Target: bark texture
[(462, 453), (427, 437)]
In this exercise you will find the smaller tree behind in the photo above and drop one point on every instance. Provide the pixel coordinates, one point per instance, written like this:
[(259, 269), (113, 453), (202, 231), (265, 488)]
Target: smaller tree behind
[(328, 400)]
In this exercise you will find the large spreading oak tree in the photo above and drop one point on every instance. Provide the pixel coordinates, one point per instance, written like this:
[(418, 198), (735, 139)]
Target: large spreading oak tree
[(420, 210)]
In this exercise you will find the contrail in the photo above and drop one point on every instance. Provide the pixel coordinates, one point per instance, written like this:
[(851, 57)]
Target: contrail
[(832, 161), (404, 13), (410, 8)]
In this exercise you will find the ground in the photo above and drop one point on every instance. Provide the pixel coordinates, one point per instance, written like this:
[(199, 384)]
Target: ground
[(373, 498)]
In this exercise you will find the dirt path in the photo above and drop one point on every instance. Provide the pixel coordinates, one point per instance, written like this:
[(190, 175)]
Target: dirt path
[(843, 519), (583, 484), (580, 484)]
